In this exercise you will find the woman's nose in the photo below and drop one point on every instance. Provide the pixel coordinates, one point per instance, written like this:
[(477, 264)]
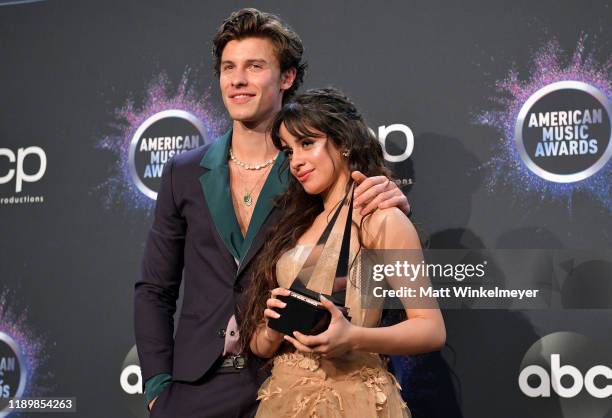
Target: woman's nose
[(296, 161)]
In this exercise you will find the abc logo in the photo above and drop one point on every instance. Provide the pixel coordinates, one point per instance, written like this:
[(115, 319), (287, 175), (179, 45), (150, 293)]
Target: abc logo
[(566, 375), (19, 161), (557, 372), (130, 381)]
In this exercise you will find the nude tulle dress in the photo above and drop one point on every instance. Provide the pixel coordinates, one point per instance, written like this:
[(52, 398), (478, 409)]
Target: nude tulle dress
[(356, 385)]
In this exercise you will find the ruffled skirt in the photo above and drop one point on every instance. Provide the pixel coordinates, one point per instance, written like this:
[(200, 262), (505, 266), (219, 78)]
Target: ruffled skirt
[(310, 386)]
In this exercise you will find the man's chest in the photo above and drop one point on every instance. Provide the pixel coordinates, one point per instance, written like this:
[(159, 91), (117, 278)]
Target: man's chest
[(245, 189)]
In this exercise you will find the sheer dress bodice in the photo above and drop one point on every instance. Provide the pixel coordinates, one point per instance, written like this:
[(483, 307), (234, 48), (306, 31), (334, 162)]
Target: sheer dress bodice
[(308, 385)]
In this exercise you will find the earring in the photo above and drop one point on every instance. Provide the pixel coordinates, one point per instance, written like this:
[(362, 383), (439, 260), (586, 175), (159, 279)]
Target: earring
[(345, 154)]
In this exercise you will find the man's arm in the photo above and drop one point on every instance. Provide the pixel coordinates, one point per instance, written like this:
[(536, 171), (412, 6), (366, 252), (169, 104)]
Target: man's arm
[(154, 386), (158, 288)]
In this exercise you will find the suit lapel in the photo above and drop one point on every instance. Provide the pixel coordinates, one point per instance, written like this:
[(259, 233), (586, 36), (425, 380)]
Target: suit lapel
[(215, 185), (227, 255), (259, 239), (264, 214), (216, 188), (274, 185)]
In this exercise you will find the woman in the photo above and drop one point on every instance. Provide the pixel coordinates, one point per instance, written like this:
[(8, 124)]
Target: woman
[(338, 373)]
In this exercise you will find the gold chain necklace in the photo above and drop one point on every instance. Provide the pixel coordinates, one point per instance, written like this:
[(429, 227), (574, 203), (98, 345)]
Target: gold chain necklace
[(247, 196)]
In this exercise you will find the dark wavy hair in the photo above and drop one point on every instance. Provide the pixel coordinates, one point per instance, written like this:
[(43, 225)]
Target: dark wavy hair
[(246, 23), (326, 111)]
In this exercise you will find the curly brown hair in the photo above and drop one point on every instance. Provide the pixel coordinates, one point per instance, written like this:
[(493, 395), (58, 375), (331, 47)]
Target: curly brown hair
[(246, 23), (330, 112)]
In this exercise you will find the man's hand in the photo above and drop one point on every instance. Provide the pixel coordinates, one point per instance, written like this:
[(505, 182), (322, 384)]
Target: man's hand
[(152, 402), (377, 192)]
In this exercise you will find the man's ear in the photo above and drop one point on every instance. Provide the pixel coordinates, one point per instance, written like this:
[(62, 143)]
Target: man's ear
[(287, 78)]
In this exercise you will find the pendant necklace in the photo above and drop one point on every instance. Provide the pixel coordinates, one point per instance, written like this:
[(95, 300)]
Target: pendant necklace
[(247, 197)]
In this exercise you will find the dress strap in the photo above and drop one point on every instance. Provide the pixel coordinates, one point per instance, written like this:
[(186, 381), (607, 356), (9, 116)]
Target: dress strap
[(323, 250)]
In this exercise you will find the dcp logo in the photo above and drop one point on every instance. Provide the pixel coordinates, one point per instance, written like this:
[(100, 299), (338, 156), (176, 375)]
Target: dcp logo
[(384, 131), (566, 375), (25, 156)]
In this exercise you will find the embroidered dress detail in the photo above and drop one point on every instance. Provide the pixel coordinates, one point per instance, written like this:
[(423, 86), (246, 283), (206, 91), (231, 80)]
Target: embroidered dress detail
[(307, 385)]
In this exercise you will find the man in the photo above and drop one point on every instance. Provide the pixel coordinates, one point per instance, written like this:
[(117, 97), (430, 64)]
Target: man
[(211, 219)]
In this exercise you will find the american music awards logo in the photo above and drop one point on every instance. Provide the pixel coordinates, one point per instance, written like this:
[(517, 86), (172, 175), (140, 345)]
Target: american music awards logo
[(147, 136), (13, 374), (16, 2), (22, 353), (151, 147), (563, 131), (555, 126)]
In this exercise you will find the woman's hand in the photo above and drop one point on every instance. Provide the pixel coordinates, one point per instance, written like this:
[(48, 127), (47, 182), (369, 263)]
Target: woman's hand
[(269, 312), (378, 192), (333, 342)]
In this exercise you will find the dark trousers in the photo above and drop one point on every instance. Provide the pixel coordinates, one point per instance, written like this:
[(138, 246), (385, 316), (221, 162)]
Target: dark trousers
[(222, 392)]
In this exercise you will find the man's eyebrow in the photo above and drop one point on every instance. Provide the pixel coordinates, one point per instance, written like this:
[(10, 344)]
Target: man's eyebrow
[(248, 62), (257, 60)]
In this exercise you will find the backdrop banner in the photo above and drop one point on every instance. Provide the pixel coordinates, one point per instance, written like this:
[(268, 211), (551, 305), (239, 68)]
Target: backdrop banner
[(495, 118)]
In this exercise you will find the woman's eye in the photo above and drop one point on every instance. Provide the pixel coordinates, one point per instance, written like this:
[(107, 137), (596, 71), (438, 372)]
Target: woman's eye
[(288, 152), (306, 144)]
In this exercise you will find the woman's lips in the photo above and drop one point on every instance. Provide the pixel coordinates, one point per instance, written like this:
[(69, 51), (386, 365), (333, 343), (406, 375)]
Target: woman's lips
[(304, 176)]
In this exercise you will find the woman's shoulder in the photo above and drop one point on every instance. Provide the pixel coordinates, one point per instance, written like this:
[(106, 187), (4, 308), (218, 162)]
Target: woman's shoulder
[(389, 228), (389, 218)]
